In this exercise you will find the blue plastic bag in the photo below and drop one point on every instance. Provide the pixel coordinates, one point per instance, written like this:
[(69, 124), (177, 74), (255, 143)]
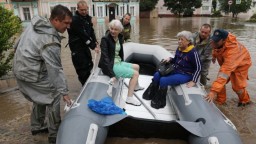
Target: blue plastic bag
[(105, 106)]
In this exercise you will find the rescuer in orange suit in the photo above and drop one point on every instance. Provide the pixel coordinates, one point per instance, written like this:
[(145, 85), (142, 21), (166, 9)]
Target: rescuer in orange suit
[(235, 61)]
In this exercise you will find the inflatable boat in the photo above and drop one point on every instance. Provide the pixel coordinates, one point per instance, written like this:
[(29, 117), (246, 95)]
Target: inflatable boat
[(186, 116)]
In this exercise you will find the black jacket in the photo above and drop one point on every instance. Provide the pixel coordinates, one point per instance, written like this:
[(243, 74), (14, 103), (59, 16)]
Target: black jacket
[(81, 31), (108, 47)]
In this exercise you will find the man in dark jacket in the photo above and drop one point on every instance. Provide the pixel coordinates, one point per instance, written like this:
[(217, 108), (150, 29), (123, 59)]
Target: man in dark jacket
[(127, 27), (81, 39)]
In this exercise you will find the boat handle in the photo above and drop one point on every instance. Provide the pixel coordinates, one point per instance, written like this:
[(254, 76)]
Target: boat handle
[(92, 134)]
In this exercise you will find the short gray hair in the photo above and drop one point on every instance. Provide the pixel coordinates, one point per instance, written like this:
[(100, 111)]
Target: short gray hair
[(116, 23), (187, 34)]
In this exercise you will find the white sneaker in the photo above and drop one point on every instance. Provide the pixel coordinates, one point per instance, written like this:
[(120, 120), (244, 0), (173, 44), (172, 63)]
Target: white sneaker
[(138, 87), (132, 101)]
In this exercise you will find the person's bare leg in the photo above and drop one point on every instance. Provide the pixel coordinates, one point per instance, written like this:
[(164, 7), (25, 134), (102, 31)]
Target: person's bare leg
[(133, 82), (136, 67)]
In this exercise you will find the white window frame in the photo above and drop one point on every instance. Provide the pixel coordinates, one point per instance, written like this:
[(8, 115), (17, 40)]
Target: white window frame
[(132, 10), (100, 14), (205, 8), (22, 12), (73, 9), (122, 10)]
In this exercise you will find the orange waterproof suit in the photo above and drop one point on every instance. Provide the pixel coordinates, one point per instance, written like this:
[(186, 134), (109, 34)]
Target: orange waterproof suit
[(234, 60)]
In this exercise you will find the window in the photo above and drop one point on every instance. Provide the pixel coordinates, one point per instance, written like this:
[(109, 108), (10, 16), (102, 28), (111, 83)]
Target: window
[(26, 13), (100, 11), (132, 11), (206, 8), (73, 10), (121, 11)]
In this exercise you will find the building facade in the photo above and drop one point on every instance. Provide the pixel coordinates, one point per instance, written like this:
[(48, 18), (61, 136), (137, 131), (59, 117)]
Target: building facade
[(100, 10)]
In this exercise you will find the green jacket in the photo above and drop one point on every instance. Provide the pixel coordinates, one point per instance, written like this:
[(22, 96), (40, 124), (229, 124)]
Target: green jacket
[(126, 31)]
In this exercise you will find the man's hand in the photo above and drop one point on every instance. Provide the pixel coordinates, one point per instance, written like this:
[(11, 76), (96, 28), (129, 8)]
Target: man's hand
[(213, 60), (67, 99), (97, 48), (211, 96)]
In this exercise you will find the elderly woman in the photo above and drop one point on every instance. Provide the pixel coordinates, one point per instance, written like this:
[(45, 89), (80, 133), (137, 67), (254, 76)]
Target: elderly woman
[(111, 61), (187, 67)]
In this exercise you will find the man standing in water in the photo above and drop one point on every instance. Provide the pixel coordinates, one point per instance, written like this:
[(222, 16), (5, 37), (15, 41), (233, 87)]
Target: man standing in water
[(204, 49), (235, 61), (81, 39), (127, 27), (38, 70)]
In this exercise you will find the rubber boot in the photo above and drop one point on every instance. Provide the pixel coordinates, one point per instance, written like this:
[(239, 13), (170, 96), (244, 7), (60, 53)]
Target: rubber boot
[(159, 100), (150, 91)]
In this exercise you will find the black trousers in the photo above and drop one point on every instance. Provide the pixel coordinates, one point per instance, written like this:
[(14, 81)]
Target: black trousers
[(82, 61)]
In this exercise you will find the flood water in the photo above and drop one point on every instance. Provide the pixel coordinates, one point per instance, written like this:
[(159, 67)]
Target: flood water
[(15, 109)]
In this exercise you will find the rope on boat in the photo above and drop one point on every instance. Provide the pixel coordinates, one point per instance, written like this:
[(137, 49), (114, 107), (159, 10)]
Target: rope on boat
[(142, 102)]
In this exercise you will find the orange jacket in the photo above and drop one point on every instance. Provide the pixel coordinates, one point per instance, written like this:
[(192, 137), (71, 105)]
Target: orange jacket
[(231, 56)]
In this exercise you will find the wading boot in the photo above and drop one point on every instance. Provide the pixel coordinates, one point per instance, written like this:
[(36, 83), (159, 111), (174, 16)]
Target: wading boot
[(150, 91), (159, 100)]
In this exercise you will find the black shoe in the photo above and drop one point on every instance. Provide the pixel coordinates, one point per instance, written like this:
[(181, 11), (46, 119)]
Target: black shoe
[(243, 104), (52, 140), (150, 92), (34, 132), (159, 100)]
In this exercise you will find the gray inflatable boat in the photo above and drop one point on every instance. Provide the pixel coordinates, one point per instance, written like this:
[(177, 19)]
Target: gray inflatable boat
[(186, 116)]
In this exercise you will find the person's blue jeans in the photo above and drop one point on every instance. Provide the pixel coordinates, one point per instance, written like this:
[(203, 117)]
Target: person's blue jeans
[(171, 79)]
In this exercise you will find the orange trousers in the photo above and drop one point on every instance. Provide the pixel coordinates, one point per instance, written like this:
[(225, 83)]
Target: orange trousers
[(238, 80)]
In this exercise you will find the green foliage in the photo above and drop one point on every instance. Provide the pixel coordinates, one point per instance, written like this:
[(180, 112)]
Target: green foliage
[(253, 18), (147, 5), (185, 7), (214, 5), (9, 26), (216, 14), (234, 8)]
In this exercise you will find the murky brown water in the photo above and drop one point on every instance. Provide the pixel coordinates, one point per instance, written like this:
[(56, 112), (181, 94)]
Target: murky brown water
[(15, 109)]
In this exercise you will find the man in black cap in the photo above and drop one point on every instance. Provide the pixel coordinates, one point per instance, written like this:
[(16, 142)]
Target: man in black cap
[(235, 61)]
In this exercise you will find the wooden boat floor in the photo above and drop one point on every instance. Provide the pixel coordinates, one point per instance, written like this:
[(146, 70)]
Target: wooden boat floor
[(145, 110)]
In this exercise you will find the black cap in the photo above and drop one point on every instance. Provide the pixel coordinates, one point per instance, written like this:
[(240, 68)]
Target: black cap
[(219, 34)]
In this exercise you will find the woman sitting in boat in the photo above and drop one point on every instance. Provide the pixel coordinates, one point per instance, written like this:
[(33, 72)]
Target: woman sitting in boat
[(112, 64), (187, 67)]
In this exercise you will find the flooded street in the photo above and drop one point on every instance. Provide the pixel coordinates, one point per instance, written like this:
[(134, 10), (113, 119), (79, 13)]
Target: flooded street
[(15, 109)]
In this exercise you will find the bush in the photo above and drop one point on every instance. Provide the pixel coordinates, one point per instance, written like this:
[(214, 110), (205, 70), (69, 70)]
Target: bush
[(253, 18), (10, 26), (216, 14)]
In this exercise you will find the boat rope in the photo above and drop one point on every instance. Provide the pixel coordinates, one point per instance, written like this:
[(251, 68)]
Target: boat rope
[(150, 111)]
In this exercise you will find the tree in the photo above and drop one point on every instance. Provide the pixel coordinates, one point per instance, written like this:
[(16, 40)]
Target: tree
[(214, 5), (185, 7), (9, 26), (147, 5), (234, 8)]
